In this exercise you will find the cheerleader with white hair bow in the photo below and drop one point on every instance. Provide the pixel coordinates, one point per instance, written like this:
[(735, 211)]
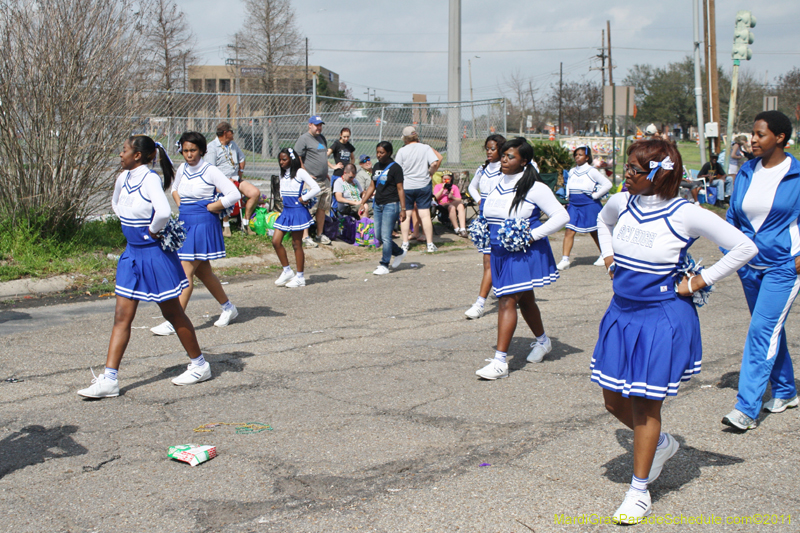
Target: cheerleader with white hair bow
[(649, 338), (585, 186)]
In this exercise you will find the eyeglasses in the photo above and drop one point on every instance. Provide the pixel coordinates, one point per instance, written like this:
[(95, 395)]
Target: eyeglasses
[(630, 168)]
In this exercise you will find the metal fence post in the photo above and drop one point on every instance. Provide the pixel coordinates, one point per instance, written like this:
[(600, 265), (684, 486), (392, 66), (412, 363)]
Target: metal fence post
[(380, 129), (505, 119)]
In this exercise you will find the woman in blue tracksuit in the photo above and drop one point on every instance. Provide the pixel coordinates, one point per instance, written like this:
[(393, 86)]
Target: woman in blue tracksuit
[(765, 206)]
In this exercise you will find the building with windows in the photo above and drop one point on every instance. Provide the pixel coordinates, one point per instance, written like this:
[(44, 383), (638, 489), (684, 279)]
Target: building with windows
[(250, 80)]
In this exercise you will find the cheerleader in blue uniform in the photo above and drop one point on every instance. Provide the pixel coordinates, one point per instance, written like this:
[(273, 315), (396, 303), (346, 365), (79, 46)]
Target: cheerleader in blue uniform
[(294, 217), (194, 191), (484, 181), (649, 339), (518, 195), (145, 271), (585, 186)]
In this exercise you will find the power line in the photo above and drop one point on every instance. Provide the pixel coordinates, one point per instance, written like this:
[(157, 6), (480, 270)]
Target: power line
[(445, 51)]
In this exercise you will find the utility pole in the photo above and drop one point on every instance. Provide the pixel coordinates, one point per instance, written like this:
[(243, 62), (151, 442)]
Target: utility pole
[(560, 96), (454, 82), (613, 107), (715, 113), (602, 56), (610, 65), (305, 81), (698, 83), (471, 99)]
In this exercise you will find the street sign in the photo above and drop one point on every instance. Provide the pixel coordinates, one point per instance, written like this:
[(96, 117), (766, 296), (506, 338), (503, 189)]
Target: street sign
[(770, 103)]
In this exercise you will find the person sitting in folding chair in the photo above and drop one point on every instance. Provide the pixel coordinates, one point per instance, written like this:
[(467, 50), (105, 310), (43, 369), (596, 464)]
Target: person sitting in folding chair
[(346, 192), (448, 197)]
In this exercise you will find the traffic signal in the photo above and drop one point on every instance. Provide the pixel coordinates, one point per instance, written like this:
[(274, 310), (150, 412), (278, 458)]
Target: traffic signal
[(742, 36)]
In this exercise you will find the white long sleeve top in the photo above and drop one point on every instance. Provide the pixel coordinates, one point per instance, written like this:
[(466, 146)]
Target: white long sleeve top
[(498, 203), (140, 203), (200, 183), (586, 179), (649, 238), (292, 187), (484, 181)]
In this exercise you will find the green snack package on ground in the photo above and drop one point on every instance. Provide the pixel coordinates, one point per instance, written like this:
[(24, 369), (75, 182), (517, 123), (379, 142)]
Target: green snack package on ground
[(261, 221), (192, 453)]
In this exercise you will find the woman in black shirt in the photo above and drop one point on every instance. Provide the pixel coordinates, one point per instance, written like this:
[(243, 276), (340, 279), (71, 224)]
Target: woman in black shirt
[(390, 200)]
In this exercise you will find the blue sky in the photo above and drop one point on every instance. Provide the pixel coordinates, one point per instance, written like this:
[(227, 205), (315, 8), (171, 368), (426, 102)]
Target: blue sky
[(553, 32)]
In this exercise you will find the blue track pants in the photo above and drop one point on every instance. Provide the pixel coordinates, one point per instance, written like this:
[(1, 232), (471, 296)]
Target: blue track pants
[(770, 294)]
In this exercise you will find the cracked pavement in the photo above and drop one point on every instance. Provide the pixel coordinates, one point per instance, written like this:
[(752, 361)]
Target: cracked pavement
[(379, 422)]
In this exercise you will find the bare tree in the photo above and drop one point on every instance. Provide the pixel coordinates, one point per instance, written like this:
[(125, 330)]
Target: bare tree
[(171, 43), (522, 102), (269, 38), (70, 82)]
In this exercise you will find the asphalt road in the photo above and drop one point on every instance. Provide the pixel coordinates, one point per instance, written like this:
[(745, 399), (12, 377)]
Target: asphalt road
[(378, 420)]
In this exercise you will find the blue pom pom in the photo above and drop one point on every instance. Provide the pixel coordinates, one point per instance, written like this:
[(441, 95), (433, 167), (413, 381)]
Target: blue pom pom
[(515, 234), (225, 213), (479, 232), (689, 268), (173, 235)]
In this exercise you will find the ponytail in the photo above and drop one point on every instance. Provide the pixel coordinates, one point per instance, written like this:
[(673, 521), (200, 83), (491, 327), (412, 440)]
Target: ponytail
[(151, 151), (529, 175)]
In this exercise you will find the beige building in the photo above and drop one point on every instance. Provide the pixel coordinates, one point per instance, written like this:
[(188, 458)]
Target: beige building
[(249, 80)]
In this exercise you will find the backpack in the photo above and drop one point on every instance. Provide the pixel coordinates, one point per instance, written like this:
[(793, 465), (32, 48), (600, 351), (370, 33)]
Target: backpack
[(331, 228), (365, 233), (347, 229)]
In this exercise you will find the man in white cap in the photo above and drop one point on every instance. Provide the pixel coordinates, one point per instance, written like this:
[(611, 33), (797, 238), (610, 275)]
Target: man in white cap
[(651, 132), (419, 162), (313, 150)]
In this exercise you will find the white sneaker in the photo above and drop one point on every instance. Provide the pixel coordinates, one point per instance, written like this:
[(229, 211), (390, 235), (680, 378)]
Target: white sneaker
[(494, 370), (778, 405), (563, 264), (194, 374), (635, 506), (432, 247), (539, 350), (380, 271), (662, 456), (101, 387), (476, 311), (226, 316), (165, 328), (323, 239), (296, 282), (404, 246), (308, 242), (398, 259), (600, 262), (284, 277)]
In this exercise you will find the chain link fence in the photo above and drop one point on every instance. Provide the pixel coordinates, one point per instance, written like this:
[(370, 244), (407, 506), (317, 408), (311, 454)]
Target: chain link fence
[(266, 123)]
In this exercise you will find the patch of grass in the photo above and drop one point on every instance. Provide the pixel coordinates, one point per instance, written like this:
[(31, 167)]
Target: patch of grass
[(27, 251), (240, 245)]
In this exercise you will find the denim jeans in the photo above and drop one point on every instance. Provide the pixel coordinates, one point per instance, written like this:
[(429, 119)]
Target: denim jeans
[(728, 187), (385, 216)]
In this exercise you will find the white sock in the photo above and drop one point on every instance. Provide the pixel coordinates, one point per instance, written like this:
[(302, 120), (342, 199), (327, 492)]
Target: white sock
[(226, 224), (299, 275), (227, 306), (199, 360), (111, 373), (639, 484), (500, 356), (542, 339), (662, 442), (565, 258), (287, 269), (480, 301)]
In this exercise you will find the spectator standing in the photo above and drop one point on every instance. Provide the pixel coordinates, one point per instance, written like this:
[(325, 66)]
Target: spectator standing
[(343, 153), (419, 163), (737, 156), (226, 155), (312, 147)]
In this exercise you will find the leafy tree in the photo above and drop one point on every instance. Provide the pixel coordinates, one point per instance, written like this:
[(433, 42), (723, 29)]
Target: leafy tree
[(788, 91)]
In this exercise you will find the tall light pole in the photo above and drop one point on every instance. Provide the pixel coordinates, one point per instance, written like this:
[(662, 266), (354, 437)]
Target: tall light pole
[(471, 99), (698, 84), (454, 83)]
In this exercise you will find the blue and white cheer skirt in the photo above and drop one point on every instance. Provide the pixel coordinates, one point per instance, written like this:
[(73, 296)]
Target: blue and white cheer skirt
[(583, 211), (647, 348), (522, 271), (204, 239), (148, 273), (294, 217)]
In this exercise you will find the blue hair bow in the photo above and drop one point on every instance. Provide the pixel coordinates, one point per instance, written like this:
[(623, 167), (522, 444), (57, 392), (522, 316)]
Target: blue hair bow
[(666, 164)]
